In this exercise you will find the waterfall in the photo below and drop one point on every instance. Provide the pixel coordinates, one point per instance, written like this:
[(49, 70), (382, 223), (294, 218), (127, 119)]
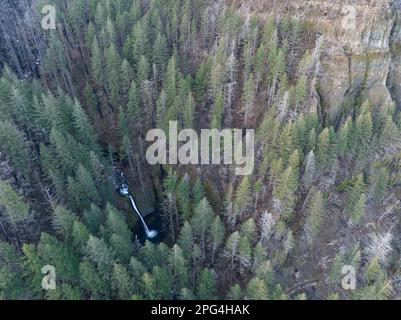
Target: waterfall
[(149, 233), (122, 187)]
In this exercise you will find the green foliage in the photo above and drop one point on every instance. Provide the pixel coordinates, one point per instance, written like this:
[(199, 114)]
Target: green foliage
[(316, 214), (120, 68), (14, 145), (12, 203), (206, 288)]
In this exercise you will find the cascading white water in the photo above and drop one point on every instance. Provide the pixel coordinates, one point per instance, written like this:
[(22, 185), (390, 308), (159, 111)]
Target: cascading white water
[(149, 233)]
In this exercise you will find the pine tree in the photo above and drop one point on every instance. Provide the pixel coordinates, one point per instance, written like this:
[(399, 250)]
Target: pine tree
[(185, 239), (359, 209), (231, 248), (344, 137), (80, 235), (249, 98), (206, 288), (12, 284), (62, 257), (189, 111), (170, 80), (120, 235), (242, 198), (133, 108), (94, 218), (84, 127), (323, 149), (143, 70), (148, 288), (95, 287), (162, 282), (98, 252), (390, 138), (354, 193), (316, 213), (121, 282), (183, 199), (244, 252), (379, 182), (217, 233), (160, 51), (256, 290), (284, 193), (266, 272), (186, 294), (248, 229), (201, 221), (88, 188), (310, 170), (14, 146), (178, 268), (126, 76), (198, 190), (63, 221), (140, 42), (300, 91), (235, 292), (12, 203), (136, 270)]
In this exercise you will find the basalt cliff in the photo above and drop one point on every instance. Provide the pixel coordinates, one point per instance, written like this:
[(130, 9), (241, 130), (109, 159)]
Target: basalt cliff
[(360, 43)]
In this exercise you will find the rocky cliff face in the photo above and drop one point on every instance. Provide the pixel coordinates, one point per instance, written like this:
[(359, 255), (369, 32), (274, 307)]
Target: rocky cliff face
[(361, 46)]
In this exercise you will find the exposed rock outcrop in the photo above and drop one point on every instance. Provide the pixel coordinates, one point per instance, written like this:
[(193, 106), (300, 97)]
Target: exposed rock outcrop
[(362, 42)]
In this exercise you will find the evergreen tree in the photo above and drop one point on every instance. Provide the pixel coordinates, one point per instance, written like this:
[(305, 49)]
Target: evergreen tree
[(235, 292), (121, 282), (249, 98), (63, 221), (379, 184), (95, 287), (178, 268), (185, 239), (256, 289), (84, 127), (183, 199), (217, 233), (201, 221), (80, 235), (316, 213), (231, 248), (242, 198), (12, 284), (359, 209), (354, 193), (62, 257), (120, 235), (12, 203), (198, 190), (206, 288), (310, 170), (323, 149), (162, 282), (100, 254), (14, 146)]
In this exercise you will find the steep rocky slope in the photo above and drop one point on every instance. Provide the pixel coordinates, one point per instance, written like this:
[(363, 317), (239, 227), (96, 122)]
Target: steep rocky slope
[(361, 42)]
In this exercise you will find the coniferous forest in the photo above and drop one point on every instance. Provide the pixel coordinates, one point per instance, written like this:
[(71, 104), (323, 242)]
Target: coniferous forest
[(77, 101)]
